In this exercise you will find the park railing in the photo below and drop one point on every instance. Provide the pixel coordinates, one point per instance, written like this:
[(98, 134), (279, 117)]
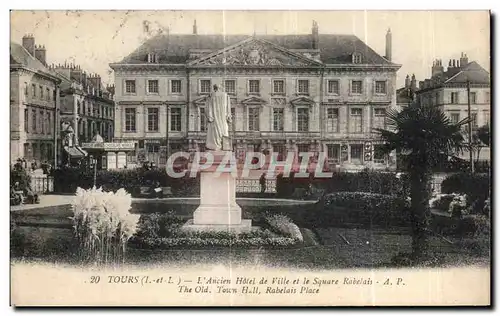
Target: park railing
[(42, 184)]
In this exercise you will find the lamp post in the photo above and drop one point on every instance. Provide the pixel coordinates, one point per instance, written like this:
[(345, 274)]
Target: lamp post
[(93, 162)]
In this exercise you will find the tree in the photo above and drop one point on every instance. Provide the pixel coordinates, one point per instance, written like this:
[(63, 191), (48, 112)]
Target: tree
[(423, 135), (480, 138), (483, 133)]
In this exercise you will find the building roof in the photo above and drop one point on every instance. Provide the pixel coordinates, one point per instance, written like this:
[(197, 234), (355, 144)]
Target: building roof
[(404, 95), (19, 56), (175, 48), (473, 72)]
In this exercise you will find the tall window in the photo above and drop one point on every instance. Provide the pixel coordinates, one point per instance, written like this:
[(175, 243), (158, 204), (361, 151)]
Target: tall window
[(41, 92), (175, 86), (454, 117), (303, 87), (153, 119), (333, 151), (48, 94), (254, 86), (278, 86), (302, 148), (33, 90), (487, 97), (380, 87), (333, 87), (41, 121), (474, 119), (253, 119), (26, 89), (356, 120), (49, 123), (205, 86), (357, 87), (230, 86), (203, 120), (303, 119), (454, 97), (26, 120), (473, 99), (175, 119), (152, 86), (332, 120), (130, 86), (33, 121), (487, 117), (280, 149), (129, 120), (356, 153), (379, 118), (233, 118), (278, 119)]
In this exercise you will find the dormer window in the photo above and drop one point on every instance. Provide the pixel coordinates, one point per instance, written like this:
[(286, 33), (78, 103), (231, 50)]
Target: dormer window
[(152, 58), (356, 58)]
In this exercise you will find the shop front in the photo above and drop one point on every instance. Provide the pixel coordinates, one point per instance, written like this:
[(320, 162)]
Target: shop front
[(109, 155)]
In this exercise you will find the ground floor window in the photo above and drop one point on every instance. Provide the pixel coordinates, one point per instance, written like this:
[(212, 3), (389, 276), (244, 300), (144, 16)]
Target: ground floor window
[(280, 149), (357, 153), (333, 152)]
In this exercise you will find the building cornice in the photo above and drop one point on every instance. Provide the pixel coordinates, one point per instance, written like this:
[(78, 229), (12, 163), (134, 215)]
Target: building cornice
[(40, 73)]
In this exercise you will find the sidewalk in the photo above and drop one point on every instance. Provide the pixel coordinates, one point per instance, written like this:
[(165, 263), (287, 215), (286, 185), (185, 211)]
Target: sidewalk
[(45, 201)]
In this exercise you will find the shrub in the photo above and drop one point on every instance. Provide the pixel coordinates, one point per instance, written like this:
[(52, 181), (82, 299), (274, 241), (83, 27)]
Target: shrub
[(365, 181), (283, 224), (477, 187), (164, 231), (67, 179), (103, 224), (363, 208)]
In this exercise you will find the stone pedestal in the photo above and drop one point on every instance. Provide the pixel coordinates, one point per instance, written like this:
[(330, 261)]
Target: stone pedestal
[(218, 210)]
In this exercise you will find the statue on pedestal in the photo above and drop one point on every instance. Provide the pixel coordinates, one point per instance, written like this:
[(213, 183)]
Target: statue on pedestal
[(219, 117)]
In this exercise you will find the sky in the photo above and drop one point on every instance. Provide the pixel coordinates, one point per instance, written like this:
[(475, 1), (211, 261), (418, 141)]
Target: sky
[(94, 39)]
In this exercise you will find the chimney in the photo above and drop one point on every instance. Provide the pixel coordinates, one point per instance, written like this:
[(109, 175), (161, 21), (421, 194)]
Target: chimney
[(413, 85), (437, 68), (41, 54), (315, 35), (95, 80), (454, 63), (195, 29), (388, 45), (29, 44), (407, 81), (464, 60)]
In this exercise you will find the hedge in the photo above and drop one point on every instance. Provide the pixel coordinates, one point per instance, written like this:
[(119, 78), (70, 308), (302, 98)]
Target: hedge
[(362, 209), (66, 180), (365, 181), (163, 231), (476, 186)]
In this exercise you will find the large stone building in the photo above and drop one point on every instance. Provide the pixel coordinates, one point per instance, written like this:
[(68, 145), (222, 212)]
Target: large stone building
[(290, 93), (86, 103), (34, 102), (448, 89)]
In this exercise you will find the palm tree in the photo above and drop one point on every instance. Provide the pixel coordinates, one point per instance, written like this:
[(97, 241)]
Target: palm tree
[(423, 135)]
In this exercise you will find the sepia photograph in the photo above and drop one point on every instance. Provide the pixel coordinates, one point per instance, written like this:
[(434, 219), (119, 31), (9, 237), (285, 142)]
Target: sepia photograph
[(250, 158)]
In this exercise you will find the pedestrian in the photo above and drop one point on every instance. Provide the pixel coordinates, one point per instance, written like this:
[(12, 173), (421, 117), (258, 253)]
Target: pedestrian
[(262, 182)]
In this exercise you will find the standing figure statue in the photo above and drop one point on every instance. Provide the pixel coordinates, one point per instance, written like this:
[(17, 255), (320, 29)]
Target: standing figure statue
[(219, 117)]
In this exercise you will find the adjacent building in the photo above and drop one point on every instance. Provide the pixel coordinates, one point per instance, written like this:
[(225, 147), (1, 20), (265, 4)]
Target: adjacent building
[(448, 89), (86, 103), (405, 96), (34, 104), (290, 93)]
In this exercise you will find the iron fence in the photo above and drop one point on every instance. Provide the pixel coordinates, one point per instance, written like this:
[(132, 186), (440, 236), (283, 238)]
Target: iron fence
[(42, 185), (253, 186)]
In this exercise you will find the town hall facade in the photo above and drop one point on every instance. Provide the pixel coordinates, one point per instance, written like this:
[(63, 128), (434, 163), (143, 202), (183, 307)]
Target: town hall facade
[(289, 93)]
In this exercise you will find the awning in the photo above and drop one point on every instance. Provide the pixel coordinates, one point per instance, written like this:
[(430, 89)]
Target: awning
[(75, 152)]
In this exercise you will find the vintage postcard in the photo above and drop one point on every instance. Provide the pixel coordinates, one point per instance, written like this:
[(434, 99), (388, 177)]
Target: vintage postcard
[(250, 158)]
